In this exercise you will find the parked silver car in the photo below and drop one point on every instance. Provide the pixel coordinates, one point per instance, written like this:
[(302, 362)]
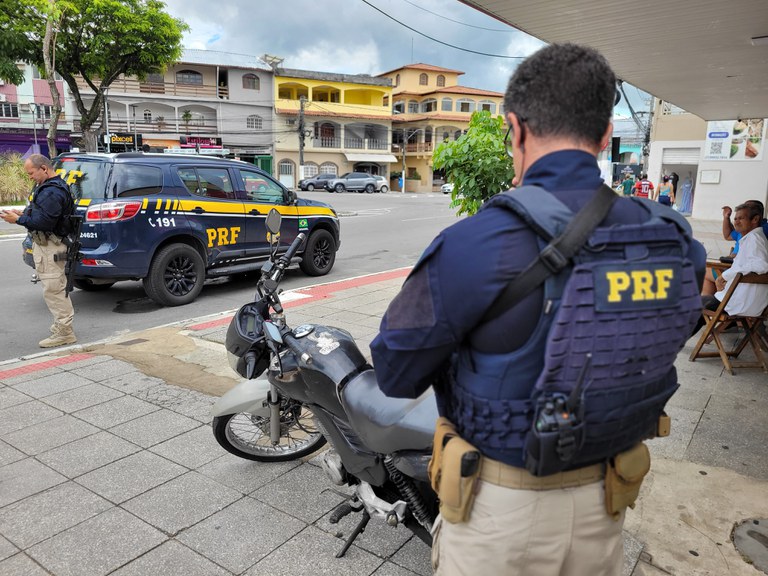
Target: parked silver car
[(359, 181), (382, 184)]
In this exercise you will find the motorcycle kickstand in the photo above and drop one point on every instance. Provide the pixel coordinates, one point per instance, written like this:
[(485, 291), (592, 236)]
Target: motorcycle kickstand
[(359, 529)]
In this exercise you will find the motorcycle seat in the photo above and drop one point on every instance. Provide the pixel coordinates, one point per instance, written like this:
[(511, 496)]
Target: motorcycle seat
[(385, 424)]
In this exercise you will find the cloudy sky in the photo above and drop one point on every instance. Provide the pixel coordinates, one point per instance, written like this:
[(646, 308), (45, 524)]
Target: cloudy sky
[(353, 37)]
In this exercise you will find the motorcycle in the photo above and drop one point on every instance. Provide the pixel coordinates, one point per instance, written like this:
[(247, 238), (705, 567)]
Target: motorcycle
[(311, 384)]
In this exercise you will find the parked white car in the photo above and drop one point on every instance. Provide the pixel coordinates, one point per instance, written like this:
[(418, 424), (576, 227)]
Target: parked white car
[(447, 188)]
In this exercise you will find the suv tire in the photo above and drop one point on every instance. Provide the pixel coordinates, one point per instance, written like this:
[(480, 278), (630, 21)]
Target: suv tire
[(319, 255), (370, 188), (384, 189), (339, 188), (310, 187), (175, 276)]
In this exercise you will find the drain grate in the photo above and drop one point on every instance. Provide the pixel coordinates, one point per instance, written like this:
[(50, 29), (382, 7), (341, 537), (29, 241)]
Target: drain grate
[(751, 540)]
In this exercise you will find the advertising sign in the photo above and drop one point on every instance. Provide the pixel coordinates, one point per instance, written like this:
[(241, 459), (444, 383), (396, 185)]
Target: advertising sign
[(201, 141), (124, 139), (735, 139)]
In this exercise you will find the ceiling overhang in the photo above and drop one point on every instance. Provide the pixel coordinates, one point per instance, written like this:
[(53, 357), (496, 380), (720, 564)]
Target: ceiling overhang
[(696, 54)]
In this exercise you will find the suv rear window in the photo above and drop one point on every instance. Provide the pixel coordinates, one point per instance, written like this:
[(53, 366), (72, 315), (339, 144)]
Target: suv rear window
[(87, 177), (137, 180)]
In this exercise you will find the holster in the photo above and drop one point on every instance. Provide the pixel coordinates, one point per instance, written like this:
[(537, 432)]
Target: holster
[(624, 475), (39, 238), (453, 472)]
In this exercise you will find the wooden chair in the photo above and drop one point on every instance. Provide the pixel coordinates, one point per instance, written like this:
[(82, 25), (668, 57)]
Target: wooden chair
[(752, 325)]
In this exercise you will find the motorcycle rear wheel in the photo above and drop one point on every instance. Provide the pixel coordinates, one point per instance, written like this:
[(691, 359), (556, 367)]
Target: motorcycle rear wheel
[(247, 436)]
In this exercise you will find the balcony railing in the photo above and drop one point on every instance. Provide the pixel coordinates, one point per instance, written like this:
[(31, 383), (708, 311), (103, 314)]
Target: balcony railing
[(166, 127), (354, 143), (414, 147), (327, 142), (374, 144), (133, 86)]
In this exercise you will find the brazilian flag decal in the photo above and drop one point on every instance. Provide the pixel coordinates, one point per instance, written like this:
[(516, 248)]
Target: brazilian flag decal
[(303, 225)]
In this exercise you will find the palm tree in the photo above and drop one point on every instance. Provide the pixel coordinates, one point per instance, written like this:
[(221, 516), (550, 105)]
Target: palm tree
[(186, 117)]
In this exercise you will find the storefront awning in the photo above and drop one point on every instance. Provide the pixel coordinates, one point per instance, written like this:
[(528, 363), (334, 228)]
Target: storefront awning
[(378, 158)]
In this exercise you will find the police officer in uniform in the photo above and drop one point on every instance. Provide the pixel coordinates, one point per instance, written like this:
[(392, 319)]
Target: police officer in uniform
[(558, 105), (44, 218)]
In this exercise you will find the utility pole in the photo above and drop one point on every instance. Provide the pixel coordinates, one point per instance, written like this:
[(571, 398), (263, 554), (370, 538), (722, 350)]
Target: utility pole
[(33, 108), (106, 122), (302, 101), (135, 137)]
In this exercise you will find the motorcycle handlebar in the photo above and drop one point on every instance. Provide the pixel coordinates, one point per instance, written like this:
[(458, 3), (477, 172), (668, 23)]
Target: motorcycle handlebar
[(294, 247)]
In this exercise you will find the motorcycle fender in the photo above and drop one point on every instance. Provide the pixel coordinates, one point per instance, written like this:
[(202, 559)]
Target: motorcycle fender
[(249, 396)]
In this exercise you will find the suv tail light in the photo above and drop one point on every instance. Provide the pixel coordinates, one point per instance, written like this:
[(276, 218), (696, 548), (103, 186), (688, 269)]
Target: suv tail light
[(112, 211)]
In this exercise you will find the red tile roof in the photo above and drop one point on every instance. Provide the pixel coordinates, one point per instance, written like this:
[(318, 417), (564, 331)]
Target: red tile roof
[(421, 66)]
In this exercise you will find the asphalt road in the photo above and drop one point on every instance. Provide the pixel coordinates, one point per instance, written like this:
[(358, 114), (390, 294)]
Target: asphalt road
[(387, 231)]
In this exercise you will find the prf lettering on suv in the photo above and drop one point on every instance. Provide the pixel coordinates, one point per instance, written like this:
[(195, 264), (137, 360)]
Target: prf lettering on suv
[(173, 221)]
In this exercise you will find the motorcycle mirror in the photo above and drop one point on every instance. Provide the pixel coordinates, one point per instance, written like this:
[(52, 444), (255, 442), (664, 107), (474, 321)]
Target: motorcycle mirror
[(273, 332), (273, 221)]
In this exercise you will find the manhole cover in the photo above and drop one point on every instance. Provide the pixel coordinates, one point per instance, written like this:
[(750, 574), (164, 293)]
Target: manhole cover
[(751, 540), (136, 306)]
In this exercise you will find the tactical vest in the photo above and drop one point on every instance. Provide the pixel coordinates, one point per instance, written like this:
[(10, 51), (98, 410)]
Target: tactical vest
[(612, 325)]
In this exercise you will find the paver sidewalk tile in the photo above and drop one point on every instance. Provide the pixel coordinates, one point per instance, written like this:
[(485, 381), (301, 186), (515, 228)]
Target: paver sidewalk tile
[(313, 551), (379, 538), (244, 475), (191, 449), (241, 534), (11, 397), (31, 375), (389, 569), (98, 545), (38, 517), (23, 415), (87, 454), (6, 549), (171, 559), (105, 370), (132, 382), (49, 434), (115, 412), (24, 478), (187, 402), (83, 397), (131, 476), (304, 492), (154, 428), (49, 385), (9, 454), (182, 502), (415, 556), (21, 565)]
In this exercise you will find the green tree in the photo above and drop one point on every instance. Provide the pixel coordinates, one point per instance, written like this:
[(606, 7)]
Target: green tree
[(477, 163), (97, 41), (186, 117)]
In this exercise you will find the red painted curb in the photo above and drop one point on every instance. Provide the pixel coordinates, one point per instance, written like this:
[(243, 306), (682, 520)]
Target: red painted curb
[(315, 293), (52, 363)]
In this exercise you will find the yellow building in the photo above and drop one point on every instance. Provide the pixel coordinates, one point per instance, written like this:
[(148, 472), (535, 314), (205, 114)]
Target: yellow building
[(428, 107), (347, 124)]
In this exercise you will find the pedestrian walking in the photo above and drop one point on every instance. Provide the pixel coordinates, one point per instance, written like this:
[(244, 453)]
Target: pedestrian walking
[(643, 187), (47, 219)]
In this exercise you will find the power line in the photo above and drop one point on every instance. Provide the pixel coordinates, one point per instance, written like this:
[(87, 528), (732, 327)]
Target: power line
[(457, 21), (440, 41)]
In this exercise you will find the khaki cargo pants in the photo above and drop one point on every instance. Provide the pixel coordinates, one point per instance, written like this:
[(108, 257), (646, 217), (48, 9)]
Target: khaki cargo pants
[(51, 274)]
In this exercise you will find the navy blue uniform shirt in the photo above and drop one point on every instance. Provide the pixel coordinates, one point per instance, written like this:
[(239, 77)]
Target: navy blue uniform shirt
[(463, 271), (48, 203)]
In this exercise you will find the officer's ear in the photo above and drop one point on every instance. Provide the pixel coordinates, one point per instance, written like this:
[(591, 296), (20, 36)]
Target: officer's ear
[(606, 136)]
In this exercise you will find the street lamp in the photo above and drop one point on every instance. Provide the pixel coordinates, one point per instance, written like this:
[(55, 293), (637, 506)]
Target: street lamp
[(407, 137), (33, 109), (135, 138), (106, 119)]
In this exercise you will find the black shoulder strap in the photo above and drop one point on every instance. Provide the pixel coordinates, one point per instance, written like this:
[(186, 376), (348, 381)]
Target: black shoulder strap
[(557, 254)]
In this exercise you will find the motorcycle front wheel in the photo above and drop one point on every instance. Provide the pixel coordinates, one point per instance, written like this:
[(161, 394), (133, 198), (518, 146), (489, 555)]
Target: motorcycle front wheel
[(247, 436)]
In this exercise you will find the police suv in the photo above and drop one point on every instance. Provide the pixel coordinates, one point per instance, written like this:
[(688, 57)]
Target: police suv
[(173, 220)]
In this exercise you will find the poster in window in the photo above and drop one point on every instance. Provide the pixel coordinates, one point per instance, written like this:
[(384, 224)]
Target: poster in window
[(735, 139)]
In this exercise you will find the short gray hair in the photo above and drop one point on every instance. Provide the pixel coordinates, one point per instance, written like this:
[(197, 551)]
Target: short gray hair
[(39, 161)]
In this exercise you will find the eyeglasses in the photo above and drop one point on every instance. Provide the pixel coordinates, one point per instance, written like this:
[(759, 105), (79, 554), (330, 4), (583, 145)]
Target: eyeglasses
[(508, 142)]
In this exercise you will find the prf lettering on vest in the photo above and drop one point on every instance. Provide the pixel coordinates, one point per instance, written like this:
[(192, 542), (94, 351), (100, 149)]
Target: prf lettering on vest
[(222, 236), (639, 284)]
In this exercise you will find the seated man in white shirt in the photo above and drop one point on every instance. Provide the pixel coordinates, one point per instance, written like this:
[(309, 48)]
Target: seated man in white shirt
[(747, 299)]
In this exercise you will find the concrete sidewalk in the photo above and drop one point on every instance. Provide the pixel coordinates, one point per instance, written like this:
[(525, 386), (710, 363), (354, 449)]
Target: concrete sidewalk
[(108, 464)]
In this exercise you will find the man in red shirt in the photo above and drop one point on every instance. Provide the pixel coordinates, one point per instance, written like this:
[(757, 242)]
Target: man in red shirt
[(643, 187)]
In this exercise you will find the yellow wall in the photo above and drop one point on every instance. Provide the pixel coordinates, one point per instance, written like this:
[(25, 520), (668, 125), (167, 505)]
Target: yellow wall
[(677, 126), (350, 95), (409, 80)]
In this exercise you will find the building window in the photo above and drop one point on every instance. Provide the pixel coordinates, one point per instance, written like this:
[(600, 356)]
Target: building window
[(413, 107), (286, 168), (446, 105), (253, 122), (440, 80), (385, 101), (397, 79), (189, 77), (155, 79), (423, 79), (429, 105), (328, 168), (147, 116), (43, 112), (465, 106), (457, 135), (398, 107), (310, 169), (37, 75), (251, 82), (488, 106), (9, 110)]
